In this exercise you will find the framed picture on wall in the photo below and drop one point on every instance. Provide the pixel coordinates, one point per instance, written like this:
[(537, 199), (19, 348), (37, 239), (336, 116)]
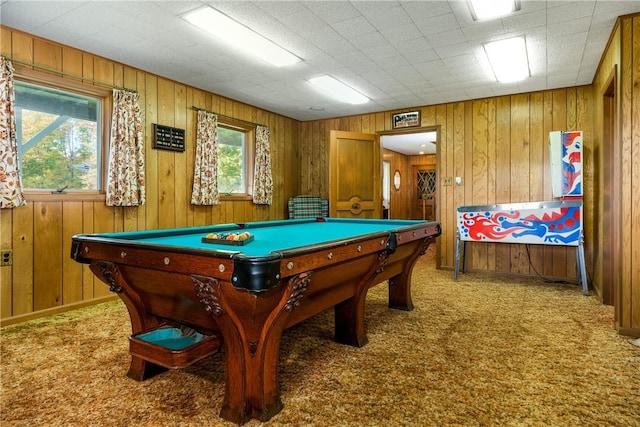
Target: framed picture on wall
[(405, 120)]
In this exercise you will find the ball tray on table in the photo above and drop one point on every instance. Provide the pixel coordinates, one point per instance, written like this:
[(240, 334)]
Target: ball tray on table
[(223, 238)]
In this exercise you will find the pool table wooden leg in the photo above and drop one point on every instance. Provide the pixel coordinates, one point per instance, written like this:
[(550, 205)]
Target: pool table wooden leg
[(349, 314), (141, 321), (400, 285), (349, 321), (251, 330), (140, 369)]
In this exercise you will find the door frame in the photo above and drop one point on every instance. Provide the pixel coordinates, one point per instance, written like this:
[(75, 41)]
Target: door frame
[(610, 197)]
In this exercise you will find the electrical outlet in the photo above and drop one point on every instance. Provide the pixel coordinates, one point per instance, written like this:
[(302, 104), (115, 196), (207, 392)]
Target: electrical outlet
[(447, 180), (7, 258)]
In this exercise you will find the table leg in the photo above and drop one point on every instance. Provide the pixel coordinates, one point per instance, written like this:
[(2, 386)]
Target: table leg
[(251, 330), (582, 267), (109, 273), (349, 321), (141, 369), (457, 262), (400, 285), (349, 315)]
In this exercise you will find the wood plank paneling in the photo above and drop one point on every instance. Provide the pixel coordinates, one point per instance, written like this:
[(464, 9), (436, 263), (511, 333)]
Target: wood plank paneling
[(71, 270), (182, 196), (491, 172), (628, 290), (47, 253), (141, 86), (446, 209), (5, 40), (21, 47), (151, 155), (43, 229), (71, 61), (47, 54), (166, 158), (23, 255), (476, 169), (5, 271), (634, 283)]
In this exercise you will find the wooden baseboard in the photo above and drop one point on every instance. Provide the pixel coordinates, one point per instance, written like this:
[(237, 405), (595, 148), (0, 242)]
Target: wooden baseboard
[(55, 310), (628, 332)]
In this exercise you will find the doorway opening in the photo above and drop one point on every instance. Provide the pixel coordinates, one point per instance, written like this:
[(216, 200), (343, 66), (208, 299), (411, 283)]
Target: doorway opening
[(412, 156), (386, 188), (413, 153)]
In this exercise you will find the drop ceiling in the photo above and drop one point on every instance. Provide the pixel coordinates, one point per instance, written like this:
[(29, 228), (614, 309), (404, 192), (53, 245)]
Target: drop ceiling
[(401, 54)]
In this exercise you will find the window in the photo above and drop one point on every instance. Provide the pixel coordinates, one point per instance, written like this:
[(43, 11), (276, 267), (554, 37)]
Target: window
[(235, 159), (59, 134), (426, 180)]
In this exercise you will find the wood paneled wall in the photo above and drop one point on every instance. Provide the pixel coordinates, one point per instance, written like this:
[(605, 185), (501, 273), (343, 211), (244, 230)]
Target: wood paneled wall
[(499, 147), (621, 61), (43, 277)]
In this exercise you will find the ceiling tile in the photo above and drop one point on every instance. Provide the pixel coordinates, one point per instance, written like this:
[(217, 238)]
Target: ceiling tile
[(402, 53)]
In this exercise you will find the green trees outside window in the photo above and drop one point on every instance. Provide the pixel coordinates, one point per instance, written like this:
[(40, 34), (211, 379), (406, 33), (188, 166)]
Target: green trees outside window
[(231, 161), (58, 142)]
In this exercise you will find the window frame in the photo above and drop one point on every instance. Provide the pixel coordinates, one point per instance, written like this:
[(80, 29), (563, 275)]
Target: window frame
[(27, 75), (250, 149)]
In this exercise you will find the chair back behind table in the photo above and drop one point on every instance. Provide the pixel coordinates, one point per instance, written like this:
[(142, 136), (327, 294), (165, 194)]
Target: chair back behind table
[(308, 206)]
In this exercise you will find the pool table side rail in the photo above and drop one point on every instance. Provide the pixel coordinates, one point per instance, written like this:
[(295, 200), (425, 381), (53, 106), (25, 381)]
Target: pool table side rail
[(254, 273)]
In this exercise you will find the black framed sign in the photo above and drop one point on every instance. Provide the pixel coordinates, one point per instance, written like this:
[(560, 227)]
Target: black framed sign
[(168, 138), (405, 120)]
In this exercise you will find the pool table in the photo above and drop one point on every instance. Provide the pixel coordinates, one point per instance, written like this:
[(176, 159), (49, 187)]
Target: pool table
[(188, 297)]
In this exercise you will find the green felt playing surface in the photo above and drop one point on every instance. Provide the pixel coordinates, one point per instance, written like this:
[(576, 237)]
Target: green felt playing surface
[(270, 236)]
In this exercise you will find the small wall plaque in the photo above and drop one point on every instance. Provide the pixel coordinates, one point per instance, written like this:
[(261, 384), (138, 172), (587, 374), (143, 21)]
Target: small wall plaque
[(405, 120), (168, 138)]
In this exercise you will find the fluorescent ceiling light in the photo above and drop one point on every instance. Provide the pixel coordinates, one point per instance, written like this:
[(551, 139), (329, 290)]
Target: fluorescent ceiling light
[(239, 36), (508, 59), (487, 9), (339, 90)]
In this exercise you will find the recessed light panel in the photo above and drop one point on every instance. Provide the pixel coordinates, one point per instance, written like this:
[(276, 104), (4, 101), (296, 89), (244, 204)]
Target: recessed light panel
[(339, 90), (240, 37), (508, 59), (488, 9)]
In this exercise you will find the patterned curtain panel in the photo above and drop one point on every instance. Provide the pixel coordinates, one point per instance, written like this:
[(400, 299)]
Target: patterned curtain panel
[(10, 181), (262, 180), (205, 177), (125, 179)]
